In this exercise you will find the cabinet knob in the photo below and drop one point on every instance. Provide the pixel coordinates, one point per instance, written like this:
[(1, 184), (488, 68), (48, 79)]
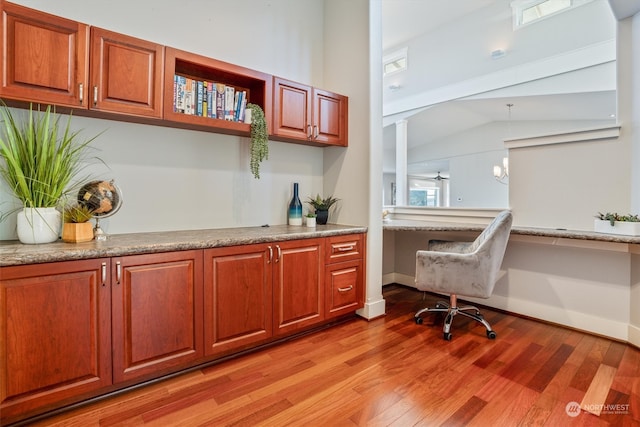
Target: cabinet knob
[(279, 253), (309, 134), (315, 131), (95, 95), (81, 92), (270, 255), (347, 289)]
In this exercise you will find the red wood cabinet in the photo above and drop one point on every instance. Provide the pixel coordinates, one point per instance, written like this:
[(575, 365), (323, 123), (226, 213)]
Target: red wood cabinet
[(306, 114), (45, 57), (126, 74), (55, 342), (344, 274), (237, 297), (298, 279), (156, 313), (257, 86), (74, 330)]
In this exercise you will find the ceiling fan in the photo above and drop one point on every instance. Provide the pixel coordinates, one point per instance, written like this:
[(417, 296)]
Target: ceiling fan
[(438, 177)]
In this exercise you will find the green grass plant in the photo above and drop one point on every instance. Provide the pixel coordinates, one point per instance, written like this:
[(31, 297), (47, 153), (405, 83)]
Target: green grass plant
[(41, 156)]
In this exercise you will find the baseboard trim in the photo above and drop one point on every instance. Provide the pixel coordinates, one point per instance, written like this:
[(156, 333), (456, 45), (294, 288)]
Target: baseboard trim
[(372, 309)]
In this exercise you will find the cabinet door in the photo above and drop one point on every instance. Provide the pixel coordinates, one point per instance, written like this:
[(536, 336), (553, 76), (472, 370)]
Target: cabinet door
[(238, 297), (55, 340), (298, 284), (126, 74), (45, 57), (157, 313), (344, 288), (330, 112), (291, 109)]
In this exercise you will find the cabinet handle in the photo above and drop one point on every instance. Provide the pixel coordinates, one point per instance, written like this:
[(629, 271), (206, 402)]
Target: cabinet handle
[(270, 255), (279, 253), (309, 134), (344, 248), (103, 274), (315, 131), (81, 92), (347, 289), (118, 272), (95, 95)]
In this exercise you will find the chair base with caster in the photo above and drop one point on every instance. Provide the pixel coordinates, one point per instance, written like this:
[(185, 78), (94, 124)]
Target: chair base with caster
[(452, 310)]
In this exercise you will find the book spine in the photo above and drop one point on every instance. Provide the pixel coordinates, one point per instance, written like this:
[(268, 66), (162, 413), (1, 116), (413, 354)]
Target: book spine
[(243, 107), (220, 95), (188, 96), (229, 102), (199, 95), (205, 112), (211, 101)]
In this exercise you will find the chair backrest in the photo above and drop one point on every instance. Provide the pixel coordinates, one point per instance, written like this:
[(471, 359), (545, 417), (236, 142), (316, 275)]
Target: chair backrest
[(491, 245), (472, 269)]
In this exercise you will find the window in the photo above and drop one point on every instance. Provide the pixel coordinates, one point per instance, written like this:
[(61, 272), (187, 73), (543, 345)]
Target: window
[(395, 62), (526, 12)]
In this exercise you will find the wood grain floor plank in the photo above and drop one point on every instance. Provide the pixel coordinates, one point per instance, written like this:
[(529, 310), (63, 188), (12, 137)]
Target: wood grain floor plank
[(392, 372), (598, 390)]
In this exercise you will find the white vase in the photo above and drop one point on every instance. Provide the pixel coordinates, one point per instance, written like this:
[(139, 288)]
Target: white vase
[(311, 222), (39, 225), (619, 227)]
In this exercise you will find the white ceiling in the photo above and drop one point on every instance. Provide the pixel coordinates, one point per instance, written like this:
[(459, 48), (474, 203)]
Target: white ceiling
[(403, 20), (406, 19)]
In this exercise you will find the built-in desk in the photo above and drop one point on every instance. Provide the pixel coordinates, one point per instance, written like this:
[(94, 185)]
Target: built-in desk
[(581, 279)]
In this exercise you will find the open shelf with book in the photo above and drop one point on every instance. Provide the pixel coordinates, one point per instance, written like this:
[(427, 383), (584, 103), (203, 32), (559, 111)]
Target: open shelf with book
[(186, 77)]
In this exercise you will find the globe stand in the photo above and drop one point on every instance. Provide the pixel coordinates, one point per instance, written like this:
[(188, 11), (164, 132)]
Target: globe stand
[(98, 234)]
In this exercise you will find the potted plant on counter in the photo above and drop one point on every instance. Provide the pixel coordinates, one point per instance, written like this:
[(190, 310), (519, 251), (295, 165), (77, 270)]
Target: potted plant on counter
[(40, 157), (311, 219), (321, 207), (76, 226), (613, 223)]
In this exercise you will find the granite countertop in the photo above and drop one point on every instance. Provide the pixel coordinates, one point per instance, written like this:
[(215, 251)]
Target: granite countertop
[(15, 253), (418, 225)]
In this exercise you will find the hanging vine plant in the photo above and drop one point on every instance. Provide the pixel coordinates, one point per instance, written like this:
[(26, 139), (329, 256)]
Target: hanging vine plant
[(259, 139)]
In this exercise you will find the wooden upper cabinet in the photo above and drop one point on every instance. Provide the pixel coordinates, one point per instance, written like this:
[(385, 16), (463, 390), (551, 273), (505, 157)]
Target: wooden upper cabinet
[(157, 313), (126, 74), (291, 109), (45, 57), (308, 115), (330, 119), (55, 334), (196, 69)]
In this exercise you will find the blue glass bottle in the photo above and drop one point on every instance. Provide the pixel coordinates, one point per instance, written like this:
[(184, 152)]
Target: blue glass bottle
[(295, 207)]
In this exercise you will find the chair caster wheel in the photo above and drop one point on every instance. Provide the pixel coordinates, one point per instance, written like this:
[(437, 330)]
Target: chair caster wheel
[(491, 335), (447, 336), (418, 320)]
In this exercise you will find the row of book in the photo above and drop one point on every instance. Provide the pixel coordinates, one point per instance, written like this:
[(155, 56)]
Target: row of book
[(208, 99)]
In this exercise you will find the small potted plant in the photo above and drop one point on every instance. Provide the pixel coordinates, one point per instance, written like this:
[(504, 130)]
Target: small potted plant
[(39, 158), (76, 226), (614, 223), (311, 219), (321, 207)]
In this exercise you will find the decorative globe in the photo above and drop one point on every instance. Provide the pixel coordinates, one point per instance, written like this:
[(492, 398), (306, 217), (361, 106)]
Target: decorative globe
[(102, 197)]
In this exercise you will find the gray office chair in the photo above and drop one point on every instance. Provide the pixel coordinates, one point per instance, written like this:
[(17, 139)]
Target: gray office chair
[(463, 268)]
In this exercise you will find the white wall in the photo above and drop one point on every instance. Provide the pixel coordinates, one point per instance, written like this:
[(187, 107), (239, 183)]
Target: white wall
[(179, 179)]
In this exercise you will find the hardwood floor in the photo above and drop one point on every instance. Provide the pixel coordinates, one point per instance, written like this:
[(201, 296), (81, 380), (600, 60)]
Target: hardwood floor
[(392, 372)]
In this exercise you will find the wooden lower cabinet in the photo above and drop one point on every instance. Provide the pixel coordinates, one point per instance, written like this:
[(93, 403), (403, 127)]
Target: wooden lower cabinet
[(298, 299), (73, 330), (156, 313), (237, 297), (55, 343)]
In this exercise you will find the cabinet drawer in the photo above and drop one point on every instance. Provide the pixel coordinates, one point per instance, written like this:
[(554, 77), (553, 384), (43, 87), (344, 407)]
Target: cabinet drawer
[(343, 283), (344, 248)]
